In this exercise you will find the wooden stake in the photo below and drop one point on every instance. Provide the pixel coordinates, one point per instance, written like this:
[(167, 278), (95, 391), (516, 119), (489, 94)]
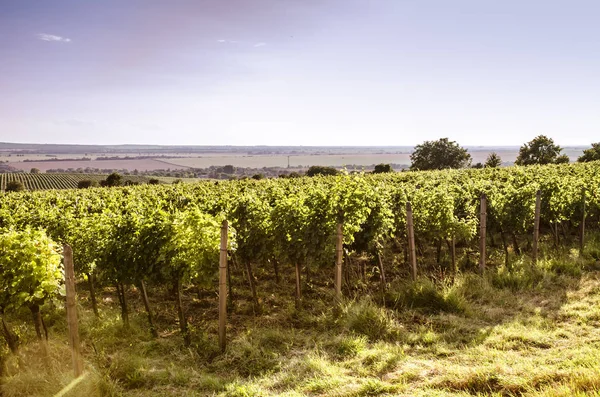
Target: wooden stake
[(183, 325), (536, 225), (411, 240), (582, 238), (72, 311), (482, 232), (298, 287), (339, 251), (453, 253), (229, 285), (381, 272), (505, 246), (90, 277), (255, 305), (223, 286), (153, 330)]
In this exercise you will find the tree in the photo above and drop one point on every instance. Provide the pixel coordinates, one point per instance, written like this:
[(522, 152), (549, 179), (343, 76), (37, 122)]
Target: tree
[(35, 171), (493, 161), (477, 166), (113, 179), (562, 159), (439, 155), (258, 176), (86, 183), (320, 170), (382, 168), (540, 150), (15, 186), (591, 154), (153, 181)]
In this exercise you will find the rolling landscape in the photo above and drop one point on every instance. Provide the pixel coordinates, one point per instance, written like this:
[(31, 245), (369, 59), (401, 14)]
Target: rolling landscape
[(291, 198), (23, 157), (424, 304)]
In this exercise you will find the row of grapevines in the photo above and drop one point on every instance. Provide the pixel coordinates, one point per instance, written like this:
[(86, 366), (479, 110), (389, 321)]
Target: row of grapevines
[(169, 234)]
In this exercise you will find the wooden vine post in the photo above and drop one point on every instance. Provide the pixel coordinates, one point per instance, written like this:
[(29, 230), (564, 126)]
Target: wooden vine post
[(339, 251), (453, 253), (72, 311), (298, 297), (411, 240), (153, 329), (482, 232), (223, 286), (582, 238), (536, 225)]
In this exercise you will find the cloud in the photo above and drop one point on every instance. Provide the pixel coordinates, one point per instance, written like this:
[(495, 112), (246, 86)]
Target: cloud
[(261, 44), (52, 37), (228, 41)]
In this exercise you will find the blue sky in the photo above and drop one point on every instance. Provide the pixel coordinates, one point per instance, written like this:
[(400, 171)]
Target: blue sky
[(299, 72)]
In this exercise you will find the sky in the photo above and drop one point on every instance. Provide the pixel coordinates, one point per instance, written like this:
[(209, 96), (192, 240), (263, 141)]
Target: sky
[(299, 72)]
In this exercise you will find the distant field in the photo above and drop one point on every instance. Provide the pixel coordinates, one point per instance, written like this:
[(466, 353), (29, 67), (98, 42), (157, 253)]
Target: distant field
[(64, 181), (259, 161), (141, 165), (240, 159), (15, 157)]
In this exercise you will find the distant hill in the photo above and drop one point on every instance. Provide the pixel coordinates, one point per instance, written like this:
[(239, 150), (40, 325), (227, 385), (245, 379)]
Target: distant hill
[(73, 148)]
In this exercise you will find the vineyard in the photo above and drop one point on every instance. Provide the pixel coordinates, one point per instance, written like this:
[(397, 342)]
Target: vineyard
[(168, 237), (51, 181)]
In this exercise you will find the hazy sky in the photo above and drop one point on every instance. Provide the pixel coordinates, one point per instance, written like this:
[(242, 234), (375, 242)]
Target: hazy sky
[(299, 72)]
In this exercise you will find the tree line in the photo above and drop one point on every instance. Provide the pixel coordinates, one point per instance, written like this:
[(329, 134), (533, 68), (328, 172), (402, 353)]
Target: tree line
[(446, 154)]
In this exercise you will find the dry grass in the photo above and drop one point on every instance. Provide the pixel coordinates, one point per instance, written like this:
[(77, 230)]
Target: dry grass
[(531, 335)]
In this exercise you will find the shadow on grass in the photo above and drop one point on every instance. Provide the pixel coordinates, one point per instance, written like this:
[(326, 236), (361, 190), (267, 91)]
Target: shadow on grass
[(324, 346)]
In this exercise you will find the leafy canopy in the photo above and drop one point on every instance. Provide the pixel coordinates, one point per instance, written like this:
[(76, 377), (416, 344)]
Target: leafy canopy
[(30, 268), (192, 251), (591, 154), (113, 179), (439, 155), (382, 168), (86, 183), (320, 170), (15, 186), (493, 161), (540, 150)]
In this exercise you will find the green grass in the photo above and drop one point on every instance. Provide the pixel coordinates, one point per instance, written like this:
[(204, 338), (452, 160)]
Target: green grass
[(534, 331)]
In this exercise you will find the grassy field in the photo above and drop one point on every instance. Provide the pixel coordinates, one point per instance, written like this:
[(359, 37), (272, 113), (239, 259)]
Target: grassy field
[(532, 332)]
